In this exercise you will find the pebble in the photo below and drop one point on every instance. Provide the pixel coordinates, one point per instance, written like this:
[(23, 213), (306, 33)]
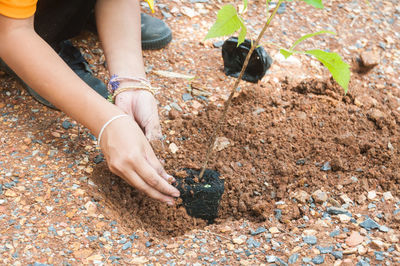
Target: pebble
[(384, 228), (369, 224), (320, 196), (274, 230), (387, 196), (362, 263), (173, 148), (66, 124), (318, 259), (344, 218), (378, 244), (302, 196), (271, 258), (326, 166), (258, 231), (379, 256), (239, 240), (369, 59), (187, 97), (325, 250), (337, 254), (371, 195), (354, 239), (336, 210), (311, 240), (293, 258)]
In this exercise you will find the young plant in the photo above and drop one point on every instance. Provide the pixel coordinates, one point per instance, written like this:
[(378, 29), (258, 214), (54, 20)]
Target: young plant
[(229, 21)]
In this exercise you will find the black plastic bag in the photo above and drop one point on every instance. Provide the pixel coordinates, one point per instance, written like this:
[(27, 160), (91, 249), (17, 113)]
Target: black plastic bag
[(234, 57)]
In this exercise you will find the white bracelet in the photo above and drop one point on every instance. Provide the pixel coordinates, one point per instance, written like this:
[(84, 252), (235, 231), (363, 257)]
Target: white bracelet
[(106, 124)]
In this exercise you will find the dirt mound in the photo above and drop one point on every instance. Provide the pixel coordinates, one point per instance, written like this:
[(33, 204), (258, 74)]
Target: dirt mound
[(306, 136)]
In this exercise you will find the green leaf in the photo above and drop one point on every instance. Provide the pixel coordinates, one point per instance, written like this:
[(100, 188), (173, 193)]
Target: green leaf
[(305, 37), (227, 23), (245, 2), (242, 35), (315, 3), (339, 69), (285, 53)]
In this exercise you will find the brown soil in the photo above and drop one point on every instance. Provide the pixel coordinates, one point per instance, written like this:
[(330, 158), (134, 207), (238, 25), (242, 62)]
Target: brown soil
[(280, 142)]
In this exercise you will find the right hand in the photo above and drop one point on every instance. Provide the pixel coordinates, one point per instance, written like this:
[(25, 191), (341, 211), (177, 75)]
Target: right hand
[(130, 156)]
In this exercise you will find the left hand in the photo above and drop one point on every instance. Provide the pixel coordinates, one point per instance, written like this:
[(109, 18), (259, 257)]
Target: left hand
[(142, 106)]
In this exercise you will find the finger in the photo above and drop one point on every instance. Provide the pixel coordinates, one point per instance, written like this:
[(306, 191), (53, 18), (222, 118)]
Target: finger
[(156, 164), (134, 180), (153, 179)]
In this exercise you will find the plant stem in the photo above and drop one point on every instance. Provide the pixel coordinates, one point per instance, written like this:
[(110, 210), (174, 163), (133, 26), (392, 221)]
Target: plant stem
[(235, 85)]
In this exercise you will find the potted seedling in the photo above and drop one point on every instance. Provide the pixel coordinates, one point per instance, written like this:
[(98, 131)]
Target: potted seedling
[(201, 190)]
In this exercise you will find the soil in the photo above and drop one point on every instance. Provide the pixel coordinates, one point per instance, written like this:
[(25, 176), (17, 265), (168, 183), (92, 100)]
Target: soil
[(292, 134), (280, 143)]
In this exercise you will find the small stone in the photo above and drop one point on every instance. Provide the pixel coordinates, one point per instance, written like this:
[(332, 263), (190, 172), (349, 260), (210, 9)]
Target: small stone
[(187, 97), (66, 124), (311, 240), (239, 240), (55, 134), (379, 256), (320, 196), (350, 251), (344, 218), (393, 238), (318, 259), (384, 228), (371, 195), (326, 166), (27, 141), (354, 239), (387, 196), (218, 44), (271, 259), (325, 250), (336, 210), (127, 245), (258, 231), (10, 193), (274, 230), (173, 114), (369, 224), (337, 254), (378, 244), (98, 159), (368, 60), (173, 148), (293, 258), (361, 199), (361, 250), (302, 196), (91, 208), (346, 199), (221, 143)]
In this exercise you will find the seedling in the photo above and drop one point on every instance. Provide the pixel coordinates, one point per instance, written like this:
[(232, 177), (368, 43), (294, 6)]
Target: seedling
[(229, 20)]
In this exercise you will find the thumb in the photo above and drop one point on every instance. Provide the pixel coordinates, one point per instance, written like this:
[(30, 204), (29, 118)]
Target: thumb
[(153, 129)]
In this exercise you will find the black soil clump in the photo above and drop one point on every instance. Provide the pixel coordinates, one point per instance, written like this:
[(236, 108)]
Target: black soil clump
[(201, 199)]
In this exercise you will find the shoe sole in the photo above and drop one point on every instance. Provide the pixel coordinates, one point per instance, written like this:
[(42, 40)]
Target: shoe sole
[(157, 44)]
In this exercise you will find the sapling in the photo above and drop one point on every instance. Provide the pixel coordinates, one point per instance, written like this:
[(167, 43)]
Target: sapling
[(230, 20)]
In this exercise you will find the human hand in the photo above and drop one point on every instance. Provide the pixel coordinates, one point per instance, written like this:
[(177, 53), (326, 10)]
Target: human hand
[(130, 156), (142, 106)]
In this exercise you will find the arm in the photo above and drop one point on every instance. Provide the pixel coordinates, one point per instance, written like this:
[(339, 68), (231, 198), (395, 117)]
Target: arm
[(118, 25), (128, 153)]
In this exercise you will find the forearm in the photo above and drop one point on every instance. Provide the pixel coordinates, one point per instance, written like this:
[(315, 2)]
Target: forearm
[(118, 25), (42, 69)]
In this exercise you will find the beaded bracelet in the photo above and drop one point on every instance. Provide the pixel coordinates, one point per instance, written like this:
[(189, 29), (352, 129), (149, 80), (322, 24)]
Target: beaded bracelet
[(114, 90)]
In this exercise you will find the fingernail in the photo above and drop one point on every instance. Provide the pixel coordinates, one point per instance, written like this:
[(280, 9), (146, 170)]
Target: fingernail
[(171, 178), (176, 194), (170, 203)]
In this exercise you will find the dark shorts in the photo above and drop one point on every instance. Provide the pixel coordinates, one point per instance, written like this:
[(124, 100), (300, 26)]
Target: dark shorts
[(59, 20)]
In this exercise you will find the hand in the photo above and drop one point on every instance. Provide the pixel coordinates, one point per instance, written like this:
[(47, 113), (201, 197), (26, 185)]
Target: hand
[(142, 106), (130, 156)]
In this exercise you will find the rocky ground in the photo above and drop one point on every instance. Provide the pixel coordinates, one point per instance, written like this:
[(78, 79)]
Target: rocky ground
[(311, 176)]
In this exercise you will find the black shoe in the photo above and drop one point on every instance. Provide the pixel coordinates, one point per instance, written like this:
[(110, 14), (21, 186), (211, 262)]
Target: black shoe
[(76, 62), (155, 33)]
